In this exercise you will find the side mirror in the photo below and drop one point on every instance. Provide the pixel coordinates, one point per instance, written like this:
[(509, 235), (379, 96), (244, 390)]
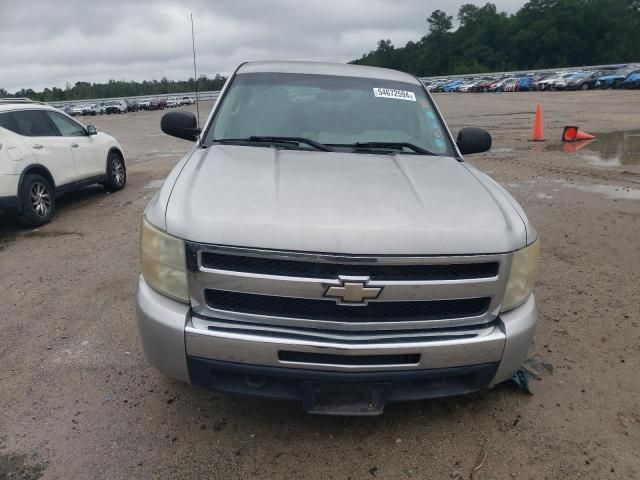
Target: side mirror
[(473, 140), (180, 124), (91, 130)]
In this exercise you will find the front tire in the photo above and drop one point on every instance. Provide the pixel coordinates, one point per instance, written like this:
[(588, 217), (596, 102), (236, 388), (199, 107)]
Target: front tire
[(116, 173), (37, 200)]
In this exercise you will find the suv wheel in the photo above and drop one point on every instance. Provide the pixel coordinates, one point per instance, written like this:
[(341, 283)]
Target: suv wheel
[(585, 86), (116, 173), (37, 200)]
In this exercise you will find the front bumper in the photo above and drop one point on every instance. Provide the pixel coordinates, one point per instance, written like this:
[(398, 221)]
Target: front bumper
[(254, 364)]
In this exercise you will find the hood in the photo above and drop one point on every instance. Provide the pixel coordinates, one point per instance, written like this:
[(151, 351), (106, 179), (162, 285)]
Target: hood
[(338, 203)]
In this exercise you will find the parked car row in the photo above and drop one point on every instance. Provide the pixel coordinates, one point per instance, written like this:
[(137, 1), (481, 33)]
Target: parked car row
[(623, 77), (124, 106)]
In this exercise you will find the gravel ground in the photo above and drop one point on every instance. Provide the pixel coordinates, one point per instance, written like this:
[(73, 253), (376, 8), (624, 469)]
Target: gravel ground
[(78, 401)]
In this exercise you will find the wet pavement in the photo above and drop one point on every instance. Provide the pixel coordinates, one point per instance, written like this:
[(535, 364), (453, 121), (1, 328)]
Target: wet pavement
[(612, 149)]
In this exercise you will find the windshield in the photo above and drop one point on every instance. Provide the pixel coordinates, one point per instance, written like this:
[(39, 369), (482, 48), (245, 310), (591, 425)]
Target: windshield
[(331, 110)]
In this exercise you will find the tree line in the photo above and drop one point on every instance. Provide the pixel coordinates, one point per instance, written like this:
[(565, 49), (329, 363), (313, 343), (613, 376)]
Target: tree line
[(119, 88), (542, 34)]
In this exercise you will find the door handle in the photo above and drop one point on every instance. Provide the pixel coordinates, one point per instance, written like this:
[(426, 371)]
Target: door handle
[(37, 146), (74, 145)]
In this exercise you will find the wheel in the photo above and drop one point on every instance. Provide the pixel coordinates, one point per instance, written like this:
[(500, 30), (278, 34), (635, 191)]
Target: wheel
[(585, 86), (116, 173), (37, 200)]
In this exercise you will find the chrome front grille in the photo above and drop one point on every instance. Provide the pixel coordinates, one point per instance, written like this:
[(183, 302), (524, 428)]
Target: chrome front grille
[(350, 297), (313, 309), (305, 269)]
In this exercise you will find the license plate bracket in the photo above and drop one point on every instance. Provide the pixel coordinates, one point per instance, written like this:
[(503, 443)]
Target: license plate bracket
[(358, 399)]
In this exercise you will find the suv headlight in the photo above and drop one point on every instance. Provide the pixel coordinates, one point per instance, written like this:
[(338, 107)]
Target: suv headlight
[(524, 267), (164, 262)]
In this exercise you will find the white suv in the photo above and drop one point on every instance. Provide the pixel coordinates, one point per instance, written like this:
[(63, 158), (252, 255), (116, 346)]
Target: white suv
[(44, 153)]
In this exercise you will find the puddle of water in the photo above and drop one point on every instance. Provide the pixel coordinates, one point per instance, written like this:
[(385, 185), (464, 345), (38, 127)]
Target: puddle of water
[(610, 191), (51, 234), (502, 150), (544, 196), (154, 184), (163, 153), (612, 149)]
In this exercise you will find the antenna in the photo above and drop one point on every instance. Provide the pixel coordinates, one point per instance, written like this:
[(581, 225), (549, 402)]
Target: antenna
[(195, 70)]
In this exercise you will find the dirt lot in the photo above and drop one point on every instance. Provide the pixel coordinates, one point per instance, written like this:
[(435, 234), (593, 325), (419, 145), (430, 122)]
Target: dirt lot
[(78, 401)]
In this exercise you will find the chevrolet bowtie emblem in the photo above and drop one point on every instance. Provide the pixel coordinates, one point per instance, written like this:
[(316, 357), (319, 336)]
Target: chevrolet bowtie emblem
[(353, 291)]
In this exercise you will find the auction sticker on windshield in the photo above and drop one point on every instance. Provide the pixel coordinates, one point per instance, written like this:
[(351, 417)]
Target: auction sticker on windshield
[(393, 93)]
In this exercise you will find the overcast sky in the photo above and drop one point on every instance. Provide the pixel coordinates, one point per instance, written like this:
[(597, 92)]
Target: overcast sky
[(48, 43)]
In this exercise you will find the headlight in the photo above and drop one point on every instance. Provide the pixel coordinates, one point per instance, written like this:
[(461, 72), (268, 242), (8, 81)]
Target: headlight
[(524, 267), (164, 264)]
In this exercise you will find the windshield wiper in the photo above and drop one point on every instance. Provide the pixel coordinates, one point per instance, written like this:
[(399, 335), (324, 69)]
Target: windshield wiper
[(276, 140), (391, 145)]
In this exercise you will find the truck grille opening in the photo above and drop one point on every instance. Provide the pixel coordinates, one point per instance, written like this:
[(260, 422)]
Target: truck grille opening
[(351, 360), (309, 269), (328, 310)]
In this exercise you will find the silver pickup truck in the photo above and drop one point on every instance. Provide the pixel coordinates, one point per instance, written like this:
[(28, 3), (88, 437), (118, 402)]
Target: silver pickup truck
[(324, 241)]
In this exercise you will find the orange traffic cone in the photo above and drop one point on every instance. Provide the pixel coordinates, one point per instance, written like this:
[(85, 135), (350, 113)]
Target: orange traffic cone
[(583, 136), (574, 134), (537, 135)]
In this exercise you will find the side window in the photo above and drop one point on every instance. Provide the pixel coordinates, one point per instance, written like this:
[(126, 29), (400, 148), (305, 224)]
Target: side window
[(67, 127), (6, 121), (32, 123)]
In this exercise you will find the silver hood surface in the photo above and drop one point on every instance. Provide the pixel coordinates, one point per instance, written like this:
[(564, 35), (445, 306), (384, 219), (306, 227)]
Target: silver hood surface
[(337, 203)]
